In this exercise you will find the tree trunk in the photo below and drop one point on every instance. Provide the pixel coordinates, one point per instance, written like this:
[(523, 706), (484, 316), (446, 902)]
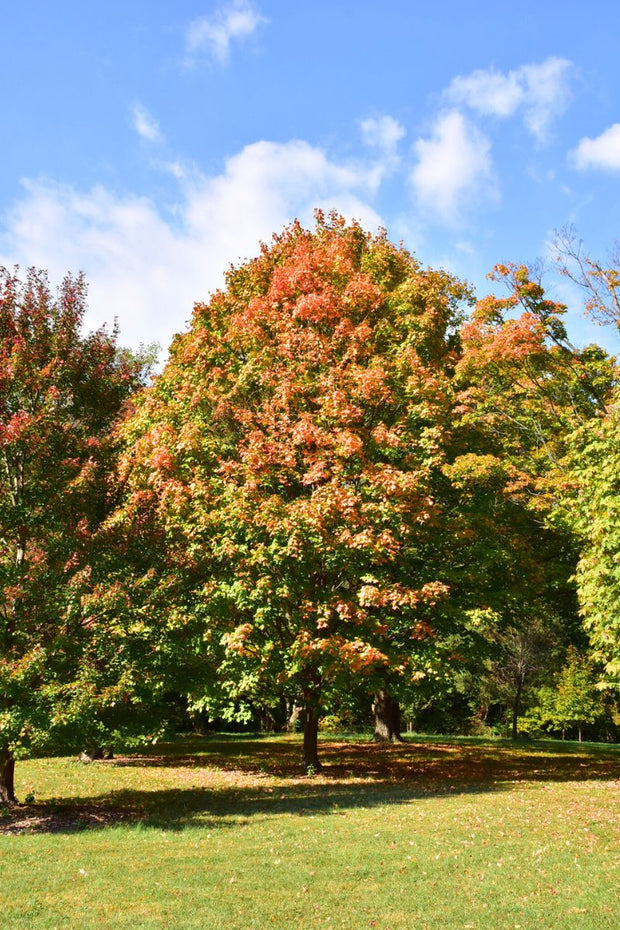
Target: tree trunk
[(516, 707), (293, 713), (387, 718), (200, 722), (267, 722), (311, 735), (7, 777)]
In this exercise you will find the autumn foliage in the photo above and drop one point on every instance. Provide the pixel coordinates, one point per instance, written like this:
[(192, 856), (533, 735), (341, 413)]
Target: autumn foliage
[(60, 392), (294, 440), (340, 483)]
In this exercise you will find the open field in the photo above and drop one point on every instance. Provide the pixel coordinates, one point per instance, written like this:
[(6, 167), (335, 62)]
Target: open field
[(225, 833)]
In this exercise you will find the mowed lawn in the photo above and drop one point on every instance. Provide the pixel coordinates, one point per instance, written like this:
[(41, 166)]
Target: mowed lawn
[(225, 832)]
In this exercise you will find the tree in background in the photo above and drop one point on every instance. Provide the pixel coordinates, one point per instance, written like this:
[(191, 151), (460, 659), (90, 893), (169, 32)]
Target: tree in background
[(524, 390), (600, 281), (592, 510), (60, 392), (525, 387), (592, 505), (521, 660), (291, 449), (574, 701)]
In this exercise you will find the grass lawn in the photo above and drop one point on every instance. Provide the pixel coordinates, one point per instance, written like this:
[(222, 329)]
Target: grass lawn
[(224, 832)]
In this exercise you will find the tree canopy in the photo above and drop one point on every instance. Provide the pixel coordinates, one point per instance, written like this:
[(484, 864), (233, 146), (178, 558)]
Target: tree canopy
[(295, 440), (60, 392), (341, 484)]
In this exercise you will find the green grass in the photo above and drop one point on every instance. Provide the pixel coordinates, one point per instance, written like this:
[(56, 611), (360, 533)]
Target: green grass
[(226, 833)]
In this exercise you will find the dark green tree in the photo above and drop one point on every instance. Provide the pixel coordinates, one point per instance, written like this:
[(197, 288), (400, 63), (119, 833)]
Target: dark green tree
[(60, 393)]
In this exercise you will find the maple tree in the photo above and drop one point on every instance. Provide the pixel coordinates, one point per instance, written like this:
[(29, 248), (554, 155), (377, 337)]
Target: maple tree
[(290, 451), (60, 391), (525, 384), (523, 391), (599, 281)]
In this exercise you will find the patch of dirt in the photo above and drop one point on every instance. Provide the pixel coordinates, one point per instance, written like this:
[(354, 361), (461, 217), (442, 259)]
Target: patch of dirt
[(55, 818)]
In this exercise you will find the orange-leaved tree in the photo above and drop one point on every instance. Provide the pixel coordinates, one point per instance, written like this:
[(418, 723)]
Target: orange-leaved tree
[(526, 387), (290, 450)]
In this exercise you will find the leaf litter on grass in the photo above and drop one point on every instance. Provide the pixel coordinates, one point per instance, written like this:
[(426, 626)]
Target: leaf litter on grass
[(223, 777)]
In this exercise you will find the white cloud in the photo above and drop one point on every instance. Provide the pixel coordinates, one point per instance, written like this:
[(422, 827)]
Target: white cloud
[(488, 92), (547, 93), (602, 152), (540, 92), (148, 268), (212, 36), (145, 124), (453, 167), (176, 168), (382, 132)]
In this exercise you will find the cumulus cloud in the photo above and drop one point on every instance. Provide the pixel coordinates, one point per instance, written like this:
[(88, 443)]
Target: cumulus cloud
[(539, 92), (382, 132), (487, 92), (145, 125), (212, 36), (453, 167), (147, 267), (601, 152)]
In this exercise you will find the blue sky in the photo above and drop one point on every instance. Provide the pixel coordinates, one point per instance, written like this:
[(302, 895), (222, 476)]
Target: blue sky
[(150, 144)]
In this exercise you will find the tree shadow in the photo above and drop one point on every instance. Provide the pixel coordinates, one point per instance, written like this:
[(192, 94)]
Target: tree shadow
[(464, 762), (354, 776)]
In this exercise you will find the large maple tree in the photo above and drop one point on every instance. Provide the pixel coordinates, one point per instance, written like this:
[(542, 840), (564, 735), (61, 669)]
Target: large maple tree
[(290, 450), (60, 392)]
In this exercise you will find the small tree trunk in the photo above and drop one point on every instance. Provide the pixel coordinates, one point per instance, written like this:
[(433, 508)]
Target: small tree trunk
[(293, 713), (387, 718), (200, 722), (396, 735), (311, 736), (580, 735), (7, 777), (516, 707), (266, 720)]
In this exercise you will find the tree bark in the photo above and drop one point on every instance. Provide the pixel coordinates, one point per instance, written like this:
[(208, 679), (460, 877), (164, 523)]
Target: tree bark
[(7, 777), (293, 713), (267, 722), (516, 707), (387, 718), (311, 735)]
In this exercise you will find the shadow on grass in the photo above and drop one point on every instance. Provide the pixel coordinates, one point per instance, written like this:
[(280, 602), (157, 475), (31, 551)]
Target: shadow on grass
[(474, 762), (354, 776)]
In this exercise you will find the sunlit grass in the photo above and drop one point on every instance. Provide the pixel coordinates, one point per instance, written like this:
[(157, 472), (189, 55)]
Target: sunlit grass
[(227, 833)]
